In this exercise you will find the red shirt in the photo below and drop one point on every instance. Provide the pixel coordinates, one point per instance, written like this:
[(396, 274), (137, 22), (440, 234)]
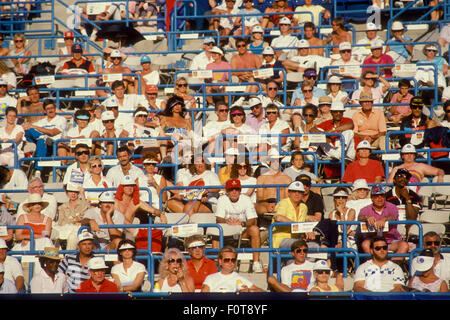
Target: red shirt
[(329, 124), (385, 59), (208, 267), (355, 171), (87, 287)]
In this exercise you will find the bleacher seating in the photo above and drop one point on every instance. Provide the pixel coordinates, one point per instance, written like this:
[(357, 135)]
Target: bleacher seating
[(171, 47)]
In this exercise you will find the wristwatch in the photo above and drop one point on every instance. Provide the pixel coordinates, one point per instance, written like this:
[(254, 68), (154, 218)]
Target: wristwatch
[(408, 201)]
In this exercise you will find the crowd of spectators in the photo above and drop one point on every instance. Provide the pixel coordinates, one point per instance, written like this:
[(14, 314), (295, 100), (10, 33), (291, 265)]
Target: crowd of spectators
[(245, 162)]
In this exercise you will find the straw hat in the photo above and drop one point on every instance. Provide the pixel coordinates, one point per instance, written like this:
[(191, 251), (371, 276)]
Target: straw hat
[(33, 199), (50, 253)]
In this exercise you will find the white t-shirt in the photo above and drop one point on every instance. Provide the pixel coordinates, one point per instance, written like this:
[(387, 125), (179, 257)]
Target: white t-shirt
[(212, 128), (74, 174), (278, 127), (13, 268), (115, 175), (219, 282), (299, 277), (9, 147), (89, 183), (287, 41), (200, 61), (75, 132), (18, 181), (128, 276), (103, 234), (249, 182), (243, 209), (379, 279), (57, 122)]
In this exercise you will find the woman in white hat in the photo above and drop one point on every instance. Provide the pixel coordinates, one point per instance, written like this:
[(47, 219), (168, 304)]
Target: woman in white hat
[(322, 273), (219, 63), (334, 90), (360, 197), (40, 223), (431, 52), (343, 213), (129, 274), (257, 43), (426, 280)]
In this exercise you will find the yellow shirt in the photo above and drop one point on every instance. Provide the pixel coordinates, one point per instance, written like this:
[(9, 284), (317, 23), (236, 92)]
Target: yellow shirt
[(286, 208), (333, 288)]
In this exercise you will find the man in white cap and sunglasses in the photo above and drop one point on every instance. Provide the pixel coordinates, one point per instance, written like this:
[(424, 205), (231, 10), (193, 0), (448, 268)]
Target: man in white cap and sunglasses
[(284, 40), (97, 282), (74, 266), (201, 60), (199, 266), (364, 167)]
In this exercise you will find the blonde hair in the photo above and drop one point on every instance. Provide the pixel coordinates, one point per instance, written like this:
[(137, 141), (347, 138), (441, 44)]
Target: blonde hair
[(164, 265), (94, 158), (178, 80)]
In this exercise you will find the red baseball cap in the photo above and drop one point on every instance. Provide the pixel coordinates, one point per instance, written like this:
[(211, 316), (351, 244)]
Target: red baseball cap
[(151, 88), (68, 34), (232, 184)]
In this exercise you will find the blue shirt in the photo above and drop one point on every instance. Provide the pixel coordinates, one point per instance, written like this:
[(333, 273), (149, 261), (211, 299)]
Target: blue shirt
[(399, 46), (438, 62), (317, 92)]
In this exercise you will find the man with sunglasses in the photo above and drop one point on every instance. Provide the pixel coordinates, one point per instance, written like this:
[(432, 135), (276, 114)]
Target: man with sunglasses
[(256, 118), (108, 131), (213, 128), (348, 63), (379, 274), (228, 280), (417, 120), (441, 266), (285, 44), (78, 64), (245, 59), (297, 276), (199, 266), (376, 216), (201, 60), (236, 209), (78, 170)]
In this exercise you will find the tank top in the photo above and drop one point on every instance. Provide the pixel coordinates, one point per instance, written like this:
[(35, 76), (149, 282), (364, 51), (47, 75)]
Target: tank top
[(420, 285), (166, 288), (416, 177), (256, 49), (38, 227), (333, 288)]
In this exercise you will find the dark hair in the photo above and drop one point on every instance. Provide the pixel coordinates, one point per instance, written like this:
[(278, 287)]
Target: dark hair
[(3, 173), (122, 242), (81, 145), (193, 170), (312, 107), (309, 24), (298, 244), (48, 102), (172, 102), (241, 40), (296, 153), (404, 83), (31, 88), (236, 108), (117, 84), (123, 149), (375, 239), (234, 174), (9, 109), (220, 103)]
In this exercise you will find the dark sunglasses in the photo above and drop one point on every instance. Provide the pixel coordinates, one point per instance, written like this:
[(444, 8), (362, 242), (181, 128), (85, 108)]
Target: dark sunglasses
[(179, 260), (378, 248), (237, 114), (417, 107), (80, 153), (197, 247), (340, 197), (241, 45), (271, 112), (272, 88), (433, 243), (116, 58), (182, 85), (308, 90), (107, 121), (18, 40), (223, 110), (227, 260), (301, 250), (96, 166), (242, 166), (111, 108), (447, 111), (346, 51), (310, 77), (309, 115), (323, 271)]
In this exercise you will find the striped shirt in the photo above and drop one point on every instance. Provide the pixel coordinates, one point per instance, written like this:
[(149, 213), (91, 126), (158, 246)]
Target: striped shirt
[(74, 271)]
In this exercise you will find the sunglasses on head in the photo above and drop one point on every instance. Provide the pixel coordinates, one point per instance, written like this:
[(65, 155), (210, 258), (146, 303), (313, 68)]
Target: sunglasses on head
[(299, 250), (79, 153), (378, 248), (227, 260), (433, 243), (179, 260)]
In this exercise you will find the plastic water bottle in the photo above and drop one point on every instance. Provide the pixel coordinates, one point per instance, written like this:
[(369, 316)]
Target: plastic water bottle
[(239, 285), (157, 288)]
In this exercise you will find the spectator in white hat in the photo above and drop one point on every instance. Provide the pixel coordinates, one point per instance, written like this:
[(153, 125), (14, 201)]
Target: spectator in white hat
[(399, 47), (418, 170), (426, 280), (97, 282), (290, 209), (439, 63), (129, 274), (155, 180), (319, 13), (378, 57), (109, 130), (95, 179), (201, 60), (363, 167), (219, 63), (105, 214), (12, 268), (256, 118), (334, 90), (302, 60), (74, 266), (117, 66), (348, 67), (285, 40), (257, 43), (339, 34), (360, 196), (342, 212), (322, 273), (362, 48), (274, 20)]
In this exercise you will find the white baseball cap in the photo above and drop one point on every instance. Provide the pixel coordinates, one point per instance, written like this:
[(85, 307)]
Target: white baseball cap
[(254, 102), (3, 82), (97, 263), (376, 44), (337, 106), (116, 54), (340, 193), (370, 26), (108, 115), (127, 181), (335, 79), (424, 263), (71, 186), (397, 26), (321, 265), (360, 184), (106, 196), (345, 46), (296, 186), (408, 148), (256, 29), (364, 145), (303, 43), (268, 51), (126, 246), (285, 20), (85, 235), (216, 49)]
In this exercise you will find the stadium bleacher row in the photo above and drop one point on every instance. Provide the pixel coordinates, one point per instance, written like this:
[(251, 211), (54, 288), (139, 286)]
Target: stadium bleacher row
[(143, 50)]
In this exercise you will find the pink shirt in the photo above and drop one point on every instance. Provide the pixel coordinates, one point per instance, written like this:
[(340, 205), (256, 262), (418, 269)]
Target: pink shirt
[(219, 76), (402, 109)]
